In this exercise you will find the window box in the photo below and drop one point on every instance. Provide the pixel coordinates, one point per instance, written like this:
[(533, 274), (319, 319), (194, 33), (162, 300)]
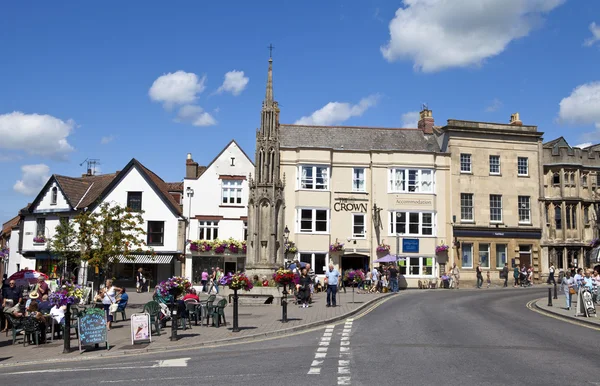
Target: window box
[(39, 240), (230, 246)]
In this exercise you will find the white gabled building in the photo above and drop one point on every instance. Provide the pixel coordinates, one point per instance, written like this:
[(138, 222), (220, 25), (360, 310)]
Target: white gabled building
[(215, 198), (136, 187)]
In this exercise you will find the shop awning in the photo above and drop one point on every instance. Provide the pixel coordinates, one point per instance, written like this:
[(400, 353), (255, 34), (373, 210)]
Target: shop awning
[(145, 259)]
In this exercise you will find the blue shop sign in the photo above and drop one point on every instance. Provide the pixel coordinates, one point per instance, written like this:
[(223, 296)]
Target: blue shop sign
[(410, 245)]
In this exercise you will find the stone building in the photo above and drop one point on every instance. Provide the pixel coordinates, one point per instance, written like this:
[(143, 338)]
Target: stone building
[(369, 189), (570, 204), (494, 194)]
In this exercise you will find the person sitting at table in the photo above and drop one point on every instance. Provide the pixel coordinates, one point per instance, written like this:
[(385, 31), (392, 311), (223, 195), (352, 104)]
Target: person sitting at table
[(192, 295), (12, 309), (40, 321), (33, 295), (44, 306), (42, 287), (122, 299), (58, 314)]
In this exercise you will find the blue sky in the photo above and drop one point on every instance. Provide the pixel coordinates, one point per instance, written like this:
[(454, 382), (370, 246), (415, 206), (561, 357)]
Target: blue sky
[(117, 80)]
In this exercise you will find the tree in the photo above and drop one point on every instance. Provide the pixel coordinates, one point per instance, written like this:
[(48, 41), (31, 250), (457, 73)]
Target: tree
[(64, 245), (109, 234)]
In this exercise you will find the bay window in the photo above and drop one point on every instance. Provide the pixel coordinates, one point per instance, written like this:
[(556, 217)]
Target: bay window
[(314, 177), (416, 266), (411, 181)]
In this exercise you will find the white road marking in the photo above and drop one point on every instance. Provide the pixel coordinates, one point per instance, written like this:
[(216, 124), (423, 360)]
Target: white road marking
[(344, 343), (324, 344), (320, 355), (316, 363), (314, 371), (344, 349), (178, 362), (343, 363), (343, 370), (344, 338), (350, 320), (321, 349), (344, 380), (328, 334)]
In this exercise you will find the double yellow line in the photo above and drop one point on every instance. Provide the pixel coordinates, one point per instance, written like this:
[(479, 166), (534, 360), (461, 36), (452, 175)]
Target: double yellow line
[(532, 307)]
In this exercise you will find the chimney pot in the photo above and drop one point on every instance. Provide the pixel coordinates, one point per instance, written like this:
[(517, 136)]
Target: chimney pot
[(515, 120), (189, 155), (426, 121)]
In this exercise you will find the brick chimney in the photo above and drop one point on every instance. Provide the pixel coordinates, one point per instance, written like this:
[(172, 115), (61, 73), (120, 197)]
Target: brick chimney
[(515, 120), (426, 120), (191, 167)]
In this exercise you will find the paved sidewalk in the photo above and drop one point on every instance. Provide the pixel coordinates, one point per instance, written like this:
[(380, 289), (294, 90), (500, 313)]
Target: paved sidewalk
[(254, 321), (559, 309)]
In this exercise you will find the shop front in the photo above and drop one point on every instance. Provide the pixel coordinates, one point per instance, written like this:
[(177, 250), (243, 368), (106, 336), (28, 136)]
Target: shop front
[(197, 262), (492, 248), (155, 268)]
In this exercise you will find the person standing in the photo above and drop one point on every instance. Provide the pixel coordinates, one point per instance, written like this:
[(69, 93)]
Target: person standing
[(505, 274), (551, 271), (568, 286), (516, 276), (455, 275), (393, 271), (333, 277), (139, 280), (488, 279), (479, 276), (303, 288), (204, 280)]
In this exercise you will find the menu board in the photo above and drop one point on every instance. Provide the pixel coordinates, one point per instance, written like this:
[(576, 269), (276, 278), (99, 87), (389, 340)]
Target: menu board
[(140, 328), (92, 327)]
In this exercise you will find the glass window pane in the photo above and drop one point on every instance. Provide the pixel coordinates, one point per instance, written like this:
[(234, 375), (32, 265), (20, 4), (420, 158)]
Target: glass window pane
[(400, 222), (413, 180), (427, 226), (500, 255), (413, 226), (321, 221), (306, 220), (307, 177), (427, 181), (467, 255), (319, 264), (306, 258), (484, 255), (414, 266)]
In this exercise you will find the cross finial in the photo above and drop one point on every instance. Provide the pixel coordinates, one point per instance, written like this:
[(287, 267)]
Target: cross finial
[(271, 50)]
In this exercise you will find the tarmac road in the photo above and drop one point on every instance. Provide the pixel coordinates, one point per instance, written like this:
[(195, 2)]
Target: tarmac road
[(441, 337)]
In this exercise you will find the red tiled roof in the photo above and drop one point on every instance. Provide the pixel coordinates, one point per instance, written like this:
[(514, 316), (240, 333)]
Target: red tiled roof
[(83, 191), (162, 186), (9, 225), (174, 186)]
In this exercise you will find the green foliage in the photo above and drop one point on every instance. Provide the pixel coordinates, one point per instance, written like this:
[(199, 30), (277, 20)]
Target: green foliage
[(108, 232), (64, 243)]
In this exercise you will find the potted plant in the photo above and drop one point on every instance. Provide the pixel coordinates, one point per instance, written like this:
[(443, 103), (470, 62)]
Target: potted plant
[(284, 276), (236, 282), (174, 286)]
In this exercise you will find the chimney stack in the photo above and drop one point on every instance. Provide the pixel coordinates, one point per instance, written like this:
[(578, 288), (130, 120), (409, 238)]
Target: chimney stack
[(191, 167), (426, 120), (515, 120)]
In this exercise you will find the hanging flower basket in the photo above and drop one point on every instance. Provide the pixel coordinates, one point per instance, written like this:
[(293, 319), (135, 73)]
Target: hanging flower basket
[(237, 282), (174, 286), (354, 276), (67, 294), (383, 248), (336, 247), (290, 247), (284, 276), (441, 248)]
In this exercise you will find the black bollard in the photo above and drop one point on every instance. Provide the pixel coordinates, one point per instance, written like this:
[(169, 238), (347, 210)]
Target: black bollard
[(549, 297), (555, 291), (67, 331), (284, 318), (236, 328), (173, 319)]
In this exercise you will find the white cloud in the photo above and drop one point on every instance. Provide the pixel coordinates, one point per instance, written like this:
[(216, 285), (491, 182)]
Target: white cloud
[(107, 139), (440, 34), (35, 134), (337, 112), (410, 119), (582, 106), (584, 145), (235, 82), (494, 106), (34, 178), (176, 88), (595, 29), (195, 115)]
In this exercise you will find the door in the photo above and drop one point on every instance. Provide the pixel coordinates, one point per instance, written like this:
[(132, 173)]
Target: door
[(525, 255)]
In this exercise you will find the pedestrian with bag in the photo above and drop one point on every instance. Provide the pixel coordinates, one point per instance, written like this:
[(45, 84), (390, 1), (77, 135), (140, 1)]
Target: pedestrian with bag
[(568, 286)]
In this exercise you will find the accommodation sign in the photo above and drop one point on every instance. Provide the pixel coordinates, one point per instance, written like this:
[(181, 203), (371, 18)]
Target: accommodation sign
[(349, 205)]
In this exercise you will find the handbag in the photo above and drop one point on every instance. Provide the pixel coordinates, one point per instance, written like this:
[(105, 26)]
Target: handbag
[(572, 291)]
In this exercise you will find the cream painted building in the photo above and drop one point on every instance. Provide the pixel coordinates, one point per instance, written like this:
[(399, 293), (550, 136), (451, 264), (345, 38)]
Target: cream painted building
[(365, 187), (495, 195)]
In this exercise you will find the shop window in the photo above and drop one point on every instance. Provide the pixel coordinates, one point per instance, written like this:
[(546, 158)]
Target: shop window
[(416, 266), (484, 255), (500, 255), (467, 255), (317, 261)]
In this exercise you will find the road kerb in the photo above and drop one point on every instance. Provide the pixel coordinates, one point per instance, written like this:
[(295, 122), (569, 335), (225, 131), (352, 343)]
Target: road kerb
[(561, 316)]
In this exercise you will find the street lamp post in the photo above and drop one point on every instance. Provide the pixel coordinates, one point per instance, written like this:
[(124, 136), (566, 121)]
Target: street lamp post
[(284, 293)]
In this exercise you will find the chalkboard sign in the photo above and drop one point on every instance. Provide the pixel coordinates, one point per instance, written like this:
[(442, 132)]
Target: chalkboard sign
[(92, 328)]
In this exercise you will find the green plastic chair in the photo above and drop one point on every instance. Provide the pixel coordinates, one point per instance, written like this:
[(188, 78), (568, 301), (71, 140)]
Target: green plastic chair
[(218, 311), (16, 326), (208, 306), (153, 309)]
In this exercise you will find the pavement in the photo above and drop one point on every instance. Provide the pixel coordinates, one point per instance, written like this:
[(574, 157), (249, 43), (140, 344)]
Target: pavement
[(430, 337), (558, 309), (254, 321)]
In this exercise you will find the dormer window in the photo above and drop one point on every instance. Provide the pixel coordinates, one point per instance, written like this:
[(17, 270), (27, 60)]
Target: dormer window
[(54, 196)]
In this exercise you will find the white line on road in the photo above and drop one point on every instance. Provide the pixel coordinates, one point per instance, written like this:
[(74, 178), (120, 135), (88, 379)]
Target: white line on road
[(314, 371), (343, 370), (179, 362), (344, 380)]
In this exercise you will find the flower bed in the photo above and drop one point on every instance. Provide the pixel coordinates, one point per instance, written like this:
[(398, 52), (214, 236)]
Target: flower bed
[(218, 246), (237, 281), (173, 286)]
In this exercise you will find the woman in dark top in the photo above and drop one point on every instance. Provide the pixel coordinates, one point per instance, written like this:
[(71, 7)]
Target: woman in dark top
[(304, 288), (479, 276)]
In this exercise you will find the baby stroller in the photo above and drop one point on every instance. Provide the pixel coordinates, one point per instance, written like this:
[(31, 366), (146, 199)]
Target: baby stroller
[(524, 280)]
